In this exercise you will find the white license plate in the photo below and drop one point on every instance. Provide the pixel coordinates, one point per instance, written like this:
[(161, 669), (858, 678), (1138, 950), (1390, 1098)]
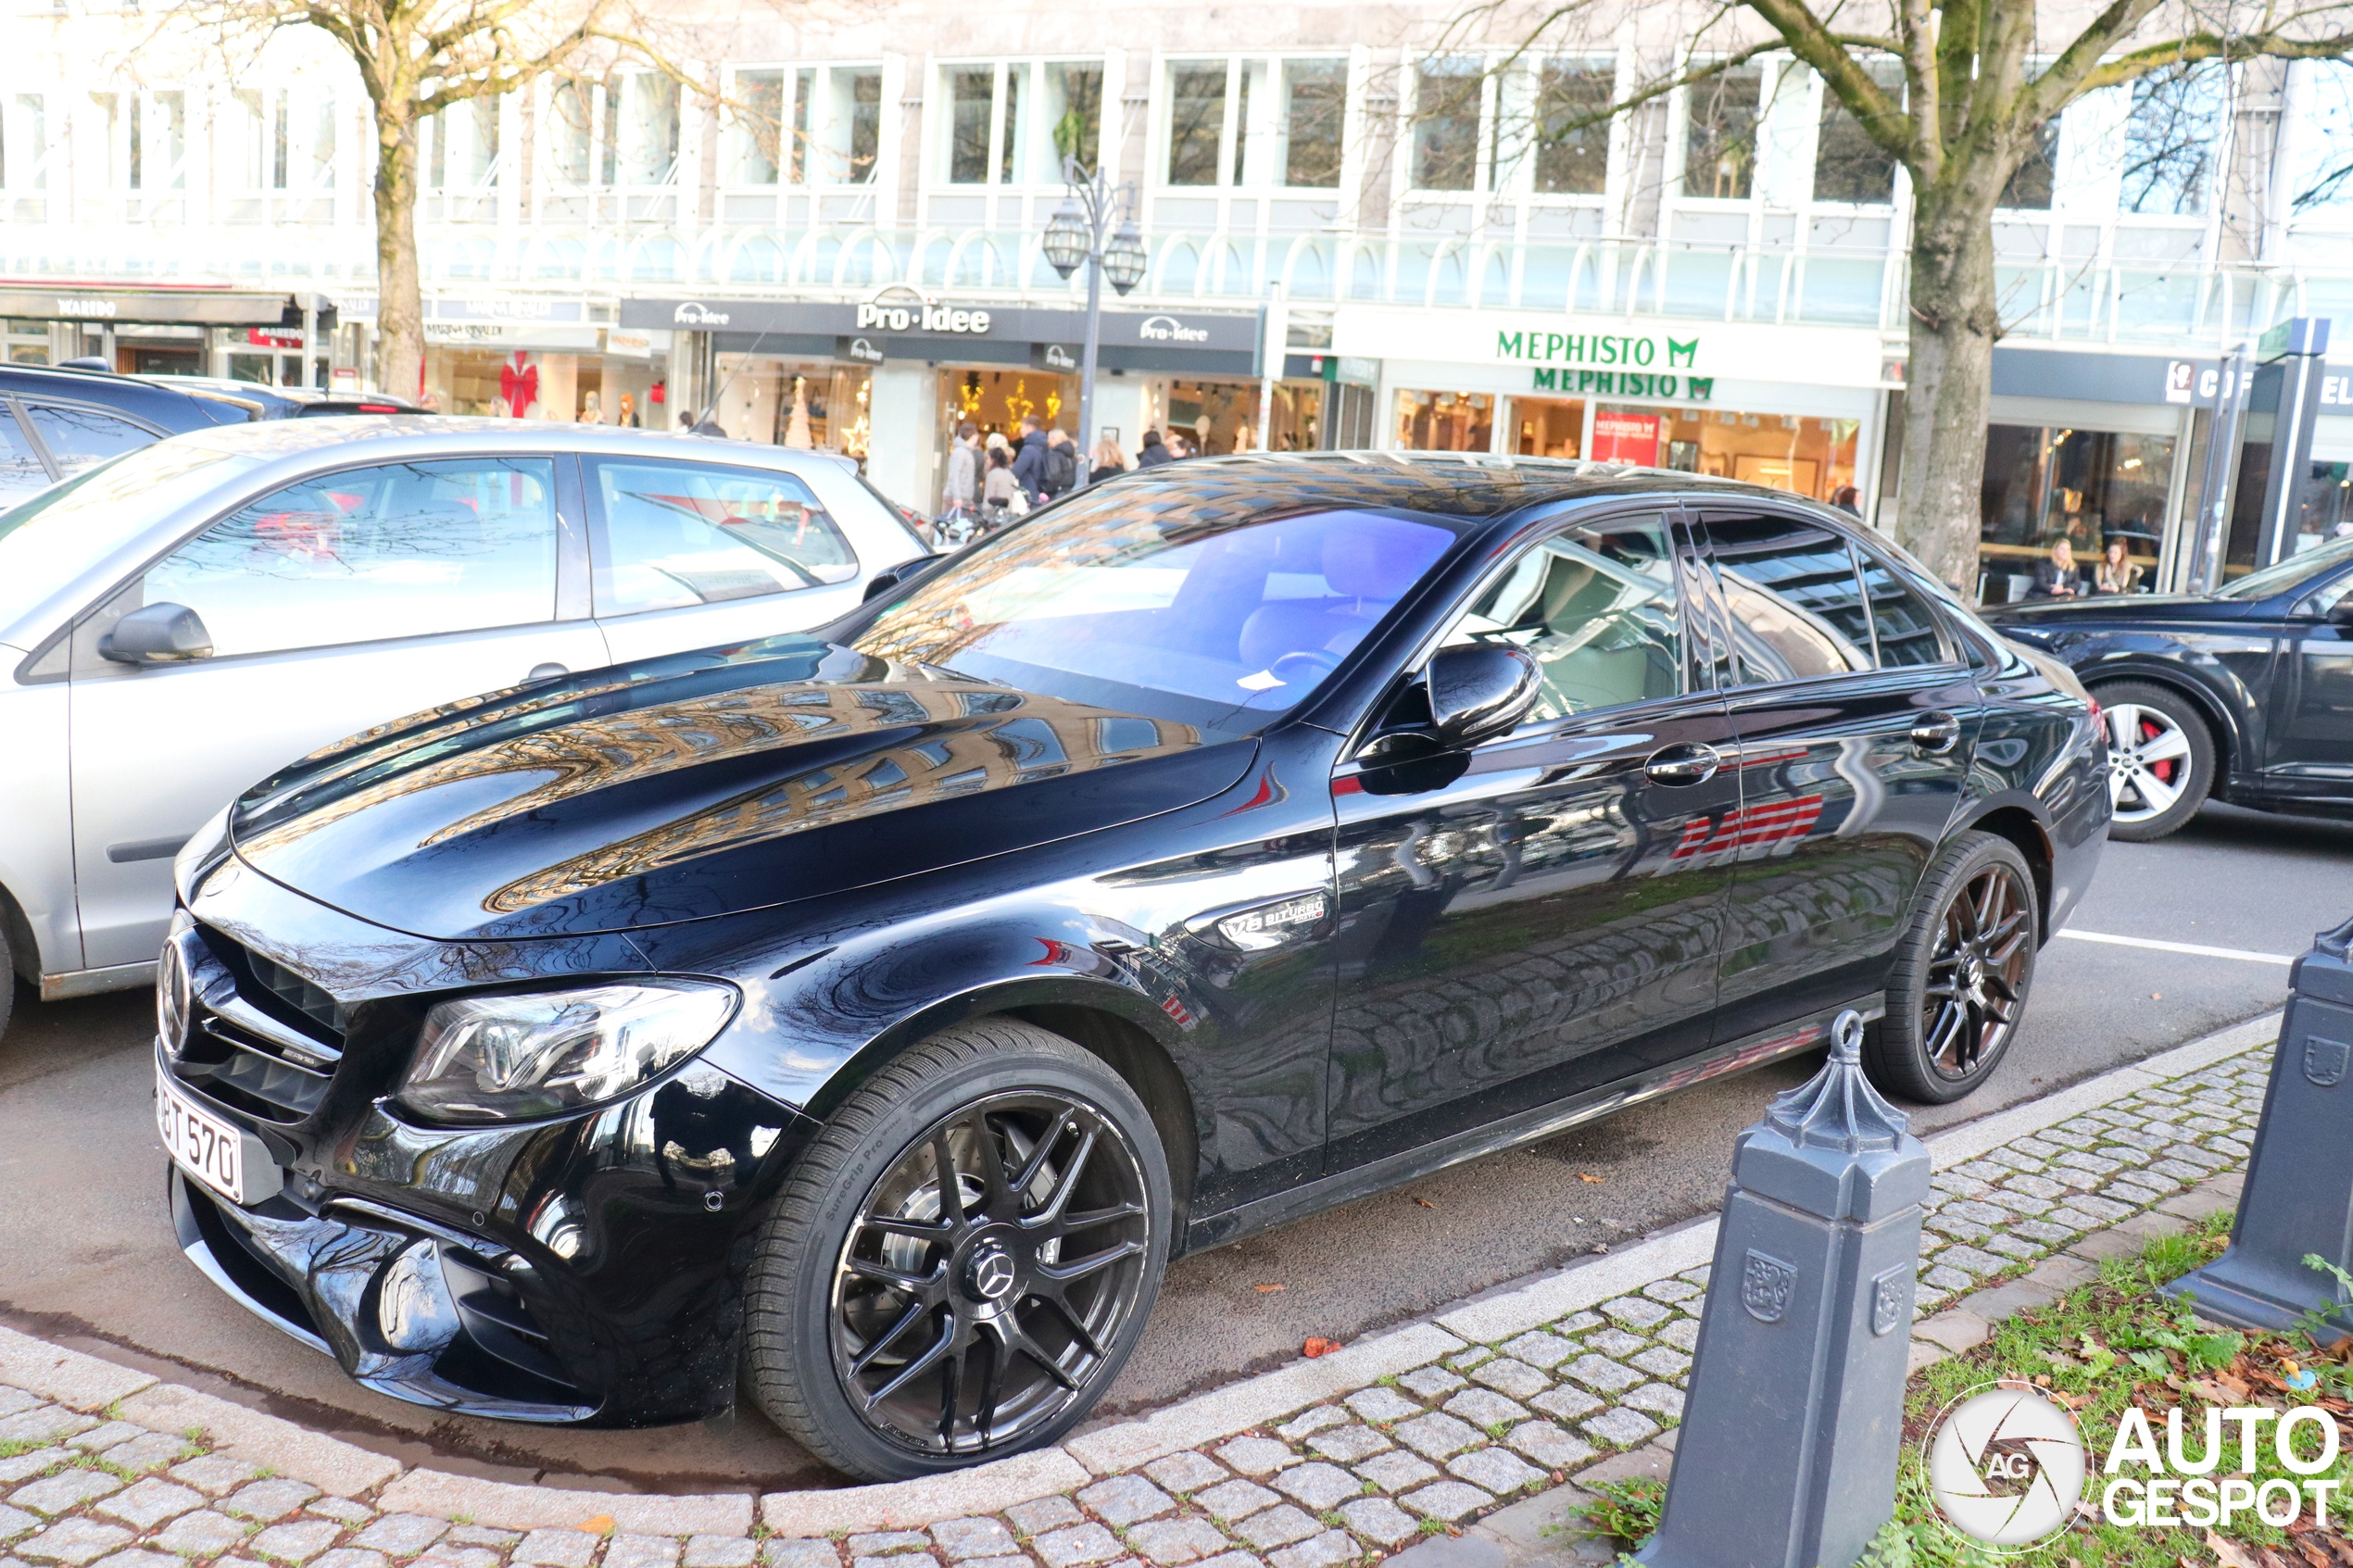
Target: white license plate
[(204, 1146)]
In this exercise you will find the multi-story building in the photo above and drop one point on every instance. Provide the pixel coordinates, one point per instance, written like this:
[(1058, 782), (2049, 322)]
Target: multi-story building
[(1359, 236)]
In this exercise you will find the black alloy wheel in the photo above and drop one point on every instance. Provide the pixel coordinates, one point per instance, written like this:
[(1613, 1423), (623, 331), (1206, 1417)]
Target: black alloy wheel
[(975, 1240), (1962, 973)]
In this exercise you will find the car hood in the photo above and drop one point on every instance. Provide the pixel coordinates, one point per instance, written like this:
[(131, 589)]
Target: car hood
[(2112, 610), (703, 785)]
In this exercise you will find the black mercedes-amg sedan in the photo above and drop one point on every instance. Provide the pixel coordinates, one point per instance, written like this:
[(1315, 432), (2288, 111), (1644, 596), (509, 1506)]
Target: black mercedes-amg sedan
[(864, 1019), (2244, 696)]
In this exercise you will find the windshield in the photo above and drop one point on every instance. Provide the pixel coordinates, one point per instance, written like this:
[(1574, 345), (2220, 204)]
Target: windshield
[(57, 532), (2290, 575), (1192, 610)]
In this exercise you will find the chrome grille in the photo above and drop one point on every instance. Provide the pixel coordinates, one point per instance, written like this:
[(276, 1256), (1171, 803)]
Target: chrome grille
[(260, 1039), (297, 993)]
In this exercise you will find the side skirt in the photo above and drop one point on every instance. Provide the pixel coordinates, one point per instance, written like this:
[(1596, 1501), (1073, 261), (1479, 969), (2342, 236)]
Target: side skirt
[(94, 981), (1529, 1126)]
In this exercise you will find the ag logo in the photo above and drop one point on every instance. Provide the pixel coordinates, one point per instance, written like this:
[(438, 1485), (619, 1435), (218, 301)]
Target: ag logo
[(2006, 1466)]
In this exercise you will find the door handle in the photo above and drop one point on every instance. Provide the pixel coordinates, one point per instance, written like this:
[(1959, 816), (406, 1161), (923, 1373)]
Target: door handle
[(550, 671), (1937, 733), (1684, 764)]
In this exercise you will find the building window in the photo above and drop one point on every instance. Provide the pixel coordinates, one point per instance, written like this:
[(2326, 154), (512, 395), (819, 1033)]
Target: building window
[(2324, 175), (642, 148), (1314, 113), (971, 95), (1792, 452), (2170, 140), (2085, 486), (1572, 136), (759, 127), (1719, 144), (1445, 422), (1009, 126), (860, 95), (24, 143), (1196, 122), (2031, 183), (1849, 165), (1446, 105), (1075, 109), (570, 134)]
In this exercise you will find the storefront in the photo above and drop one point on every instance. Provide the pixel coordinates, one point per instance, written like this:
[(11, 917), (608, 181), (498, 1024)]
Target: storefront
[(538, 357), (890, 378), (1795, 408), (170, 331)]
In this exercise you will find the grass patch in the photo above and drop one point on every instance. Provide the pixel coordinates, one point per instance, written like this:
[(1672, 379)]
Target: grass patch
[(2103, 1348)]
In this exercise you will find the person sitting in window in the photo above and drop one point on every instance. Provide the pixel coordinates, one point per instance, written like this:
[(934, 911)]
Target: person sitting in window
[(2116, 573), (2057, 578)]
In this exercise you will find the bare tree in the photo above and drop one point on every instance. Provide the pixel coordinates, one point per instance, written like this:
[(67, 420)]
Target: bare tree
[(1961, 94), (417, 59)]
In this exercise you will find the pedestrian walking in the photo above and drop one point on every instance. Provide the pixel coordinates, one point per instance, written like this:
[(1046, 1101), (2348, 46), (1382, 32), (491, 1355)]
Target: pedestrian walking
[(1002, 496), (1062, 462), (1154, 453), (1030, 463), (964, 467), (1109, 461)]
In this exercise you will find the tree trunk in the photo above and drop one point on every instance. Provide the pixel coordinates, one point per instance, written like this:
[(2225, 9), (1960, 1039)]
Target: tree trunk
[(1955, 322), (400, 312)]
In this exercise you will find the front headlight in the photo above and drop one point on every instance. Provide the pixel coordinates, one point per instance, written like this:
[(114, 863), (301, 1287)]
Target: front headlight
[(530, 1054)]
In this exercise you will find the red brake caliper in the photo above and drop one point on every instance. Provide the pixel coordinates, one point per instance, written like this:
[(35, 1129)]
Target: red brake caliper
[(2164, 771)]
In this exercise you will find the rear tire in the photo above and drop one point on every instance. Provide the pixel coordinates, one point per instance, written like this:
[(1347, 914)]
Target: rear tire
[(896, 1332), (1962, 973), (2160, 759)]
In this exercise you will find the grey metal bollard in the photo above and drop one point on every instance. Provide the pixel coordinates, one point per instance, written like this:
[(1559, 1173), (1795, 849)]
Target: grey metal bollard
[(1787, 1454), (2298, 1197)]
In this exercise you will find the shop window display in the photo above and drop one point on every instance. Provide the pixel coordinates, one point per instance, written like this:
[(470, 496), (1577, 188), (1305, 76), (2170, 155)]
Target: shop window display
[(1216, 418), (1445, 422), (1549, 427), (1806, 455), (2086, 486), (788, 403)]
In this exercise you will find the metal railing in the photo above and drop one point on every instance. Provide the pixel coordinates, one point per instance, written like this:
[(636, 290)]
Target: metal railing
[(2187, 304)]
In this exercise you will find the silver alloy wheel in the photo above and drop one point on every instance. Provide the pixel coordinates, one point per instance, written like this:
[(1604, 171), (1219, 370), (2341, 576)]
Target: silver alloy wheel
[(2148, 761)]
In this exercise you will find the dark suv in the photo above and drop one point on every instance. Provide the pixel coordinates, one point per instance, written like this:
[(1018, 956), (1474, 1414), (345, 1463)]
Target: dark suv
[(57, 421), (864, 1019)]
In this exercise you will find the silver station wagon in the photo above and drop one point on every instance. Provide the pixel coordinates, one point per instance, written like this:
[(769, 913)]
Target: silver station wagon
[(182, 621)]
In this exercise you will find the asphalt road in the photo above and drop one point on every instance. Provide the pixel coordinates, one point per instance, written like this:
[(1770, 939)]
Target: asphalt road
[(86, 1254)]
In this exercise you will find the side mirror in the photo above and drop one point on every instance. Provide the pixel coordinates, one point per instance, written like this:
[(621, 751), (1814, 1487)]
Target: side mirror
[(1479, 692), (163, 634), (897, 576)]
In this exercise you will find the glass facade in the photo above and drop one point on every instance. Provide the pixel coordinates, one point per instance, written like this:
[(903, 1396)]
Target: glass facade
[(2045, 483), (1445, 422), (1794, 452), (813, 404)]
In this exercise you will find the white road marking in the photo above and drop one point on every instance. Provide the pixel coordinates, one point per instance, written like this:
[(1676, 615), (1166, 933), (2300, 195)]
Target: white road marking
[(2191, 947)]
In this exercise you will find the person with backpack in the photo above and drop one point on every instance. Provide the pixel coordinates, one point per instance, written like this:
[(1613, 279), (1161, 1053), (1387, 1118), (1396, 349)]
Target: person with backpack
[(1029, 462), (1062, 462)]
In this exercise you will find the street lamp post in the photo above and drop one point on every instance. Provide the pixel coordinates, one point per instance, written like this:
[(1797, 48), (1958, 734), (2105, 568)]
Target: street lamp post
[(1095, 226)]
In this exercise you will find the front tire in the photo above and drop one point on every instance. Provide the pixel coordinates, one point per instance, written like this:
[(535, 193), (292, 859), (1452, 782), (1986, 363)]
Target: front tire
[(964, 1257), (2160, 759), (1962, 973)]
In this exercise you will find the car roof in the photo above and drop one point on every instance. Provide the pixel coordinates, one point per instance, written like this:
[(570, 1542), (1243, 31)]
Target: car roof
[(1469, 484), (169, 408), (280, 402), (395, 437)]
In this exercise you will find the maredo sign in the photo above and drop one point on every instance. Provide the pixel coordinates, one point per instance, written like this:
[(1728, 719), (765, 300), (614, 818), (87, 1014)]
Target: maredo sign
[(1612, 355)]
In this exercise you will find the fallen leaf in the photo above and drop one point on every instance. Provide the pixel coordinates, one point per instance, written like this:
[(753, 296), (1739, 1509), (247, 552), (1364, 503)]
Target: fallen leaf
[(1600, 1247), (1425, 1203), (1266, 1290), (2043, 1379), (2157, 995), (2214, 1392), (2230, 1553), (600, 1525), (2072, 1401), (2273, 1560), (2314, 1555), (1597, 1180), (1315, 1347)]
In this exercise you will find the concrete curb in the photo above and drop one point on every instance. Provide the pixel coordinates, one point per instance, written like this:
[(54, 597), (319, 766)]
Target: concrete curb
[(94, 1386)]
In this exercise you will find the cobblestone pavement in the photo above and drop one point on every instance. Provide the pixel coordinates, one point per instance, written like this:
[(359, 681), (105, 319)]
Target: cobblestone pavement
[(1354, 1475)]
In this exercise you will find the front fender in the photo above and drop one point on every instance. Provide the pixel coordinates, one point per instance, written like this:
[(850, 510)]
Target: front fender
[(2205, 668)]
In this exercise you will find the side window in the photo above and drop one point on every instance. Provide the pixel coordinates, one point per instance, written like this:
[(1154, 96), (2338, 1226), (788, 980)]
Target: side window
[(1595, 607), (1796, 602), (689, 534), (80, 439), (1900, 617), (405, 550), (21, 473)]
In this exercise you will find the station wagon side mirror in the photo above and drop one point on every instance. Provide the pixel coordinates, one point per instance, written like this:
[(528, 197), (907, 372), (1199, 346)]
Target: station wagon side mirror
[(159, 633), (1479, 692)]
